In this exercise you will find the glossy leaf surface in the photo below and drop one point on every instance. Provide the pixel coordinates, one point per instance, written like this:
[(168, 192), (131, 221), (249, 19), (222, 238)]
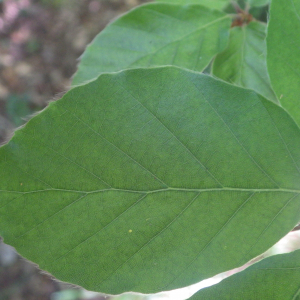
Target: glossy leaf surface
[(276, 277), (243, 62), (156, 34), (149, 180), (283, 43)]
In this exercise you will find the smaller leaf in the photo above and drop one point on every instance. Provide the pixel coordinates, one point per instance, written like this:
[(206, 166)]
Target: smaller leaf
[(243, 62), (157, 34), (276, 277), (214, 4)]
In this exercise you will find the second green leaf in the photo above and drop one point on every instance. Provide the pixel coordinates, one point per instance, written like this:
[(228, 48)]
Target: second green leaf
[(243, 62)]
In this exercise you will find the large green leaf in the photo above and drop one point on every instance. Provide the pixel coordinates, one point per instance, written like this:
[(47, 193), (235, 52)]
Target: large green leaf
[(283, 59), (214, 4), (243, 62), (157, 34), (150, 179), (276, 277)]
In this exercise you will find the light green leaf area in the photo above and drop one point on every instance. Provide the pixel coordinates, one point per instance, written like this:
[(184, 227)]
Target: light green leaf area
[(276, 277), (214, 4), (243, 62), (149, 180), (283, 59), (257, 3), (156, 34)]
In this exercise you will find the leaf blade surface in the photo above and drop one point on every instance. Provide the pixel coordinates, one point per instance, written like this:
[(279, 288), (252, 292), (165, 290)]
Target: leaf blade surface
[(156, 34), (243, 62), (257, 3), (214, 4), (283, 58), (148, 180)]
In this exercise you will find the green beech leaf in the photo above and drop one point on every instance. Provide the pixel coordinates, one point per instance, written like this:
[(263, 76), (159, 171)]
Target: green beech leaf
[(276, 277), (214, 4), (257, 3), (283, 59), (157, 34), (243, 62), (149, 180)]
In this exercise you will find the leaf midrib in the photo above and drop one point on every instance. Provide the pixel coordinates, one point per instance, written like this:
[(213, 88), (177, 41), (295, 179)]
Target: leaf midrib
[(256, 190)]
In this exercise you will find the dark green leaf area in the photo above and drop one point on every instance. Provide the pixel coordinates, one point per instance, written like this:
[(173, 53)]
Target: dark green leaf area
[(149, 180), (156, 34), (258, 3), (276, 278), (243, 62)]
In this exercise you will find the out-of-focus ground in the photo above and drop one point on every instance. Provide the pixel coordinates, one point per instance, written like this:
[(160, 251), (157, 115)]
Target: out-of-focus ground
[(40, 42)]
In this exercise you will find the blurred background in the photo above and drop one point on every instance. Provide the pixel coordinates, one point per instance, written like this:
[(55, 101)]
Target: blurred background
[(40, 43)]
